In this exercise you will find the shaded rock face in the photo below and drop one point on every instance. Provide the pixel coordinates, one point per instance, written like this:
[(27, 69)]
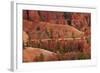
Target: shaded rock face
[(71, 18), (34, 16), (36, 54), (52, 17), (25, 14), (81, 20), (47, 16), (27, 25)]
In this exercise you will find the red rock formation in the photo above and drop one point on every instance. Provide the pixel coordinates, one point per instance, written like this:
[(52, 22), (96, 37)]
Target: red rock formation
[(80, 20), (50, 32), (27, 25), (52, 17), (25, 38), (37, 54), (25, 14), (34, 16), (48, 16)]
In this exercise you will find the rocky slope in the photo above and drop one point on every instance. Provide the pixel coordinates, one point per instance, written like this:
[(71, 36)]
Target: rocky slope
[(52, 36)]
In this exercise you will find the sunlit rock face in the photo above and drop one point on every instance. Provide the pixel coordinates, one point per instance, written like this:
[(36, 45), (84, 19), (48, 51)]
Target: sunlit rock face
[(37, 54), (44, 30), (25, 38)]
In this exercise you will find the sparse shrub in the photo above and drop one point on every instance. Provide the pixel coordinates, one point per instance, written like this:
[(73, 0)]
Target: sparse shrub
[(39, 58), (49, 32), (83, 56), (88, 39)]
